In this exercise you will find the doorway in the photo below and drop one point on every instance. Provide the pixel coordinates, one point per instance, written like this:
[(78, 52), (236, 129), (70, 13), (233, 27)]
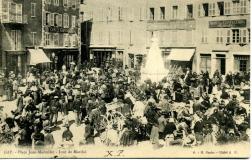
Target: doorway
[(221, 63)]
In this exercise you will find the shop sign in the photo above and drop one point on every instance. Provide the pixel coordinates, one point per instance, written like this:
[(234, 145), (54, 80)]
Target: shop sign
[(228, 23), (56, 29)]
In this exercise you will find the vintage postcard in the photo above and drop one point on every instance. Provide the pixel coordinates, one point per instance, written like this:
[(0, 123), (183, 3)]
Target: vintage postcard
[(124, 79)]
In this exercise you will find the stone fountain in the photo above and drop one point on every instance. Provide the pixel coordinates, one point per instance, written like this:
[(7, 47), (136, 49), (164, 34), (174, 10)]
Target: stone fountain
[(154, 68)]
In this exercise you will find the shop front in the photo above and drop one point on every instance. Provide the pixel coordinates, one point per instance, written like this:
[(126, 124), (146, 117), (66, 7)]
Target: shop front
[(102, 56), (181, 58), (16, 62), (242, 62), (60, 57)]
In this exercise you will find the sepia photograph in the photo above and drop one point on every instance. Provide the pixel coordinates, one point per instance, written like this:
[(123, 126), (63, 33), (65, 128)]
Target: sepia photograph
[(124, 78)]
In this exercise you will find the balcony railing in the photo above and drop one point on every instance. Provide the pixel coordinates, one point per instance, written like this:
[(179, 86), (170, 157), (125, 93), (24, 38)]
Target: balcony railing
[(14, 19)]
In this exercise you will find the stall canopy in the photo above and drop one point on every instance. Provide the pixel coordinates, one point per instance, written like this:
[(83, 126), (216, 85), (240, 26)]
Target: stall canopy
[(37, 56), (181, 54)]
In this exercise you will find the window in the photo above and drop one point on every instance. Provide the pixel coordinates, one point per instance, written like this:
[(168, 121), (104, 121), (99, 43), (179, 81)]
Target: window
[(205, 62), (130, 37), (228, 36), (56, 19), (56, 2), (34, 38), (205, 9), (200, 10), (66, 21), (33, 9), (162, 13), (204, 36), (174, 12), (189, 14), (66, 40), (152, 13), (73, 21), (59, 20), (244, 36), (65, 3), (221, 8), (48, 1), (236, 7), (51, 38), (19, 15), (248, 35), (119, 13), (243, 6), (16, 39), (47, 39), (235, 35), (73, 5), (51, 19), (243, 65), (12, 12), (110, 14), (74, 42), (227, 8), (219, 36), (131, 14), (211, 9), (56, 39), (120, 37), (47, 18)]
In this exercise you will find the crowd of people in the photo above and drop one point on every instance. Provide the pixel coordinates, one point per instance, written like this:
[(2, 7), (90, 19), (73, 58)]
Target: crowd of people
[(184, 108)]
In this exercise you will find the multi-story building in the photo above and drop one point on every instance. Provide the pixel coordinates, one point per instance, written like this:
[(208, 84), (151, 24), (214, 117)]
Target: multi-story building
[(118, 30), (13, 20), (49, 26), (173, 22), (223, 35), (202, 35)]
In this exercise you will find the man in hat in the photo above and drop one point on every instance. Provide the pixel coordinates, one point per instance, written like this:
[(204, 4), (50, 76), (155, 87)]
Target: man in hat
[(205, 103), (196, 104), (20, 101), (162, 121), (151, 115), (54, 108), (232, 105), (48, 138), (77, 109)]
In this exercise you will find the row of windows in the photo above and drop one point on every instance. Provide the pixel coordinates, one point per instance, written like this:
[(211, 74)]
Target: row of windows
[(230, 36), (119, 13), (53, 39), (55, 19), (222, 36), (222, 8), (66, 3), (205, 9), (12, 12)]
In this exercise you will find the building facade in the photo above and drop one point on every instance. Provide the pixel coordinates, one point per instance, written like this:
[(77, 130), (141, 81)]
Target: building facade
[(50, 25), (223, 41), (118, 31), (204, 35)]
